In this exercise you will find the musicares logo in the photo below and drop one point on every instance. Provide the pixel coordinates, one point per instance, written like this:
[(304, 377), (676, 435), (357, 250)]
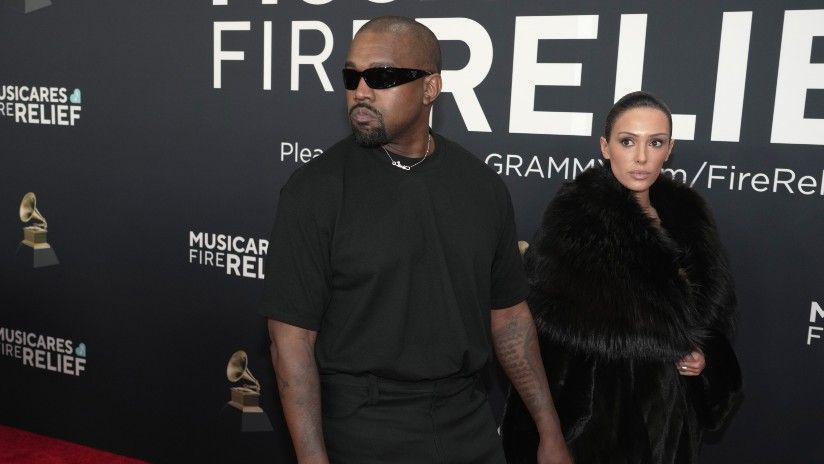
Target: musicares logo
[(238, 256), (51, 106), (816, 317), (43, 351)]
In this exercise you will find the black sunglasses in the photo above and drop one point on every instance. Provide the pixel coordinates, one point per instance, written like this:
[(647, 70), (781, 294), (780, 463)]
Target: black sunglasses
[(381, 78)]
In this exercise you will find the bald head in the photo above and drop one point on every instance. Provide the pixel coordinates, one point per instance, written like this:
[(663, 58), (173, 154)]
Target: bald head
[(426, 46)]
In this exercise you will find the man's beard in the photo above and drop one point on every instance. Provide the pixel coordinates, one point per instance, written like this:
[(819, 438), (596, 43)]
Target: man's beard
[(372, 138)]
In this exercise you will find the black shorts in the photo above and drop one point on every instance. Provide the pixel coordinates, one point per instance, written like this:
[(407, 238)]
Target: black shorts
[(367, 419)]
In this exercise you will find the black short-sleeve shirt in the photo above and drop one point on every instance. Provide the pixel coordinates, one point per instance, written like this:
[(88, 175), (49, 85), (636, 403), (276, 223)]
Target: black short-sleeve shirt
[(396, 270)]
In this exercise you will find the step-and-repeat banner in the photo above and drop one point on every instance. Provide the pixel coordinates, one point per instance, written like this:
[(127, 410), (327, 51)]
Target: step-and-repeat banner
[(143, 146)]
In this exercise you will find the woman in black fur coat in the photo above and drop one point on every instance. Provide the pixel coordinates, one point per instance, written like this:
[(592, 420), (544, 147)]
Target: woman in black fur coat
[(634, 305)]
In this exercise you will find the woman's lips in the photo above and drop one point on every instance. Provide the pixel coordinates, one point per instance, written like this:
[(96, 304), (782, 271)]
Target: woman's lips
[(640, 175)]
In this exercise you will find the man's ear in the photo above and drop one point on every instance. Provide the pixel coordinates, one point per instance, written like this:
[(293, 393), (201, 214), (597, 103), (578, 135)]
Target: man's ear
[(432, 85), (604, 150)]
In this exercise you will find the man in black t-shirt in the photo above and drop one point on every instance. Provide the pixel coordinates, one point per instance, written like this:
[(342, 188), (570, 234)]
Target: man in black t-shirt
[(393, 272)]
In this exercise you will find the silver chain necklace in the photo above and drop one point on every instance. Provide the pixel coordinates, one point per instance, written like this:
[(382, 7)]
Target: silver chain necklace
[(400, 165)]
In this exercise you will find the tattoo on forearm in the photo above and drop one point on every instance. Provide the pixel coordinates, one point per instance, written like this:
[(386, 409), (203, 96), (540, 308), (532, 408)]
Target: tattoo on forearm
[(299, 387), (517, 347)]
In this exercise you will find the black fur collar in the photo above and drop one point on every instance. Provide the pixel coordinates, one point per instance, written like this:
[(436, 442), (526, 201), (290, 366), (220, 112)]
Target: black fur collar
[(605, 281)]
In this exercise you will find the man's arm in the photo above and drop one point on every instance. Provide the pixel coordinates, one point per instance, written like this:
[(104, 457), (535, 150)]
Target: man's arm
[(516, 346), (293, 357)]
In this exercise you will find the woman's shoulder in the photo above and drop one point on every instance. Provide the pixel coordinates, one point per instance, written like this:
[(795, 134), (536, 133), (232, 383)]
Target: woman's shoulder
[(593, 198), (680, 203)]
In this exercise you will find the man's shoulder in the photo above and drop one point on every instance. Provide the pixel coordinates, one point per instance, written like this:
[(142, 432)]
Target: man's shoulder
[(322, 172), (472, 167)]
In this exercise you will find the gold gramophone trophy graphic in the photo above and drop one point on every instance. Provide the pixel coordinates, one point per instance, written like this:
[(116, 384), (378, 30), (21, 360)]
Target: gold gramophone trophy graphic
[(245, 399), (36, 251)]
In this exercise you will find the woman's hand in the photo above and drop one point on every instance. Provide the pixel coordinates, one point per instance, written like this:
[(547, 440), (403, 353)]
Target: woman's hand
[(553, 452), (692, 364)]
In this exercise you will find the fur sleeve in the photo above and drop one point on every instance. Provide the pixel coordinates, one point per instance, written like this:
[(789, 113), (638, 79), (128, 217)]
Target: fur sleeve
[(717, 392), (690, 221)]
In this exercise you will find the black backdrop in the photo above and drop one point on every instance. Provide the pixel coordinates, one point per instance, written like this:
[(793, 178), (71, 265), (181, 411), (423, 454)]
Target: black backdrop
[(160, 153)]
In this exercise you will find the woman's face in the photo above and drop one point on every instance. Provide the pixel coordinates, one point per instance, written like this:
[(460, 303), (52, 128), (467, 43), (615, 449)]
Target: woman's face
[(638, 147)]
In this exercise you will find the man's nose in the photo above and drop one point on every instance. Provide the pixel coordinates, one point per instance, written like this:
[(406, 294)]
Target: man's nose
[(363, 91)]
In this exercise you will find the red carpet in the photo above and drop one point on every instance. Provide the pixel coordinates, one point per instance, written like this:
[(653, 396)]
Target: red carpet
[(21, 447)]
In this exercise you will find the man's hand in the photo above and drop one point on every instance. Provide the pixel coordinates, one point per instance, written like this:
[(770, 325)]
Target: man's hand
[(516, 346), (692, 364), (293, 357)]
